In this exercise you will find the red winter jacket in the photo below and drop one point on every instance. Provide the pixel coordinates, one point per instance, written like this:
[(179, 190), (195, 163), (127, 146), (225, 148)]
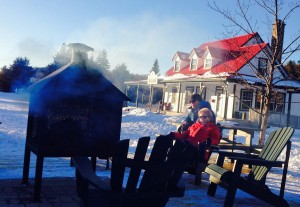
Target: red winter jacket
[(199, 133)]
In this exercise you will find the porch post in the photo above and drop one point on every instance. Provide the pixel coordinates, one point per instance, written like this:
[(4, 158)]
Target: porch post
[(163, 97), (126, 90), (202, 87), (179, 92), (137, 96), (289, 110), (150, 97), (226, 100)]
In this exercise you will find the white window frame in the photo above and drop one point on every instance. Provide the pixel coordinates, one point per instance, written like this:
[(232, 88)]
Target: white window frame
[(177, 65), (207, 63), (246, 99), (194, 63)]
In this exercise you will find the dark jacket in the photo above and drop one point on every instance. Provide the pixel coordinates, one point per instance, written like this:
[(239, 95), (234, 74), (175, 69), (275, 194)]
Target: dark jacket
[(192, 116)]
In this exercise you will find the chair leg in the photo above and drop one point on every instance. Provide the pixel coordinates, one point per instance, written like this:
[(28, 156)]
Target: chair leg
[(38, 178), (107, 163), (198, 177), (230, 195), (26, 166), (212, 188), (71, 162), (94, 162)]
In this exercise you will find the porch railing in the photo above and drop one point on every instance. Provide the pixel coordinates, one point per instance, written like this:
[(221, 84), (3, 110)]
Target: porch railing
[(276, 119)]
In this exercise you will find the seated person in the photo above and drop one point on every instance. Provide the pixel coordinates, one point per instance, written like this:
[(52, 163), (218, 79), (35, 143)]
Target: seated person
[(201, 130), (197, 103)]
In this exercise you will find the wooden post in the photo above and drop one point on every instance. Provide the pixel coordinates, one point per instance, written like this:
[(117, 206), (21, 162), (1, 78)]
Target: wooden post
[(150, 97), (179, 90), (137, 95), (289, 110)]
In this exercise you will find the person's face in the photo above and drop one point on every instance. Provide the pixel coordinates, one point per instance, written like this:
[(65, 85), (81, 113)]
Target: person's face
[(194, 103), (203, 118)]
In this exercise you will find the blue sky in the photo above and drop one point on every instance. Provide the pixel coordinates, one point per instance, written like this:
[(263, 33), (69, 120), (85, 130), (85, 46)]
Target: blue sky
[(134, 32)]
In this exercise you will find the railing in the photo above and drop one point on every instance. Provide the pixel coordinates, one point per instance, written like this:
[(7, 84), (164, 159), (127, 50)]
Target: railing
[(276, 119)]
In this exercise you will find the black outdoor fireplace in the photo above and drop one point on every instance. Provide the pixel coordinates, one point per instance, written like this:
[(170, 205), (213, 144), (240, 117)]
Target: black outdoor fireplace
[(73, 111)]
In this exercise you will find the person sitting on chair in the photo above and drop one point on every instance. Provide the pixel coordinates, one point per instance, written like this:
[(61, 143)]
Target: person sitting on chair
[(197, 103), (203, 129)]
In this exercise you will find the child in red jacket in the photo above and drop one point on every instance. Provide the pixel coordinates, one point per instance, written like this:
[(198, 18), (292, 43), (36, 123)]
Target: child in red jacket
[(201, 130)]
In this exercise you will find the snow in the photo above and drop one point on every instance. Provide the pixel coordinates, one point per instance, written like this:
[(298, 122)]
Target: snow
[(136, 122)]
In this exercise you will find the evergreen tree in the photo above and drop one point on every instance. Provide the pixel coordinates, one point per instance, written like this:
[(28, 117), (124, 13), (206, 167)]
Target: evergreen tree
[(102, 60), (119, 75), (293, 69), (5, 79), (63, 56), (155, 67), (19, 74)]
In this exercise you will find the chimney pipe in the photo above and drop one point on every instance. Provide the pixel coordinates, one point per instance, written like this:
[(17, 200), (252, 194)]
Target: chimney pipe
[(79, 52)]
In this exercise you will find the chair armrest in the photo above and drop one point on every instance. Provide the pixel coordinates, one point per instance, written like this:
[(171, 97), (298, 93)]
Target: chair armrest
[(259, 162), (223, 154), (85, 169), (215, 148), (237, 154)]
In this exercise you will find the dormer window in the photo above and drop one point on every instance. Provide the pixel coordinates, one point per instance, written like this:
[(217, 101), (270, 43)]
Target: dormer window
[(262, 66), (177, 66), (194, 64), (207, 63)]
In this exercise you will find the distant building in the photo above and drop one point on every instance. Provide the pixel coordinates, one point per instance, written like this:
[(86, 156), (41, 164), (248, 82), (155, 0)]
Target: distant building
[(220, 71)]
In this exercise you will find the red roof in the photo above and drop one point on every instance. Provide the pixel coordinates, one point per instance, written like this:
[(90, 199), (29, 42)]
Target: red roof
[(230, 43), (233, 52)]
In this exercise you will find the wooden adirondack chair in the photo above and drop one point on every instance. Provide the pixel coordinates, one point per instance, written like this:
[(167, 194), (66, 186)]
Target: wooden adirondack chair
[(149, 183), (255, 182)]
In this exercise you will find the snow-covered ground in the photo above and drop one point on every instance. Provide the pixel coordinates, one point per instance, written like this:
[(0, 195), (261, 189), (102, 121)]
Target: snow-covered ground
[(136, 122)]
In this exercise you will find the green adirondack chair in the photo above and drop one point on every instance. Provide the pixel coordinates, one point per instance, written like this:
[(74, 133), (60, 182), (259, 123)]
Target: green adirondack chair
[(149, 183), (255, 182)]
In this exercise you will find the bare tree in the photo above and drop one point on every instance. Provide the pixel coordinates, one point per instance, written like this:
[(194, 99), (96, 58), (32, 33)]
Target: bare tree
[(241, 20)]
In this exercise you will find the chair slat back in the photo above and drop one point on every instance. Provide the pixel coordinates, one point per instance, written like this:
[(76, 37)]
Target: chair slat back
[(118, 168), (139, 157), (178, 157), (275, 144), (166, 164), (157, 158)]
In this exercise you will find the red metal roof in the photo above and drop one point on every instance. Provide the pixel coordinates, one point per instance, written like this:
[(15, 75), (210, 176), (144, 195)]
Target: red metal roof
[(233, 52)]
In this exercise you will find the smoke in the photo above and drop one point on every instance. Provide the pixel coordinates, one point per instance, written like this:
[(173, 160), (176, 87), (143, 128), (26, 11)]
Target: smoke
[(39, 52), (139, 40)]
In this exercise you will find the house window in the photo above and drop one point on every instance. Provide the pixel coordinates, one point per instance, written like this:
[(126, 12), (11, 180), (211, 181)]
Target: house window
[(262, 66), (246, 99), (279, 102), (219, 90), (189, 91), (276, 103), (194, 64), (177, 66), (207, 63), (258, 100)]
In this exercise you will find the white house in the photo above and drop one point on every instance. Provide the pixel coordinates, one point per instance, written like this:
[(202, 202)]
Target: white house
[(222, 72)]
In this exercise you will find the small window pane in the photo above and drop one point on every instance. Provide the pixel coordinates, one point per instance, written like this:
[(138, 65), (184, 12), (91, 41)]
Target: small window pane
[(177, 65), (262, 66), (246, 100), (194, 64), (207, 63)]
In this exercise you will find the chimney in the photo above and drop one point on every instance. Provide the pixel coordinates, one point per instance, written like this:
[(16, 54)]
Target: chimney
[(79, 53), (277, 39)]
